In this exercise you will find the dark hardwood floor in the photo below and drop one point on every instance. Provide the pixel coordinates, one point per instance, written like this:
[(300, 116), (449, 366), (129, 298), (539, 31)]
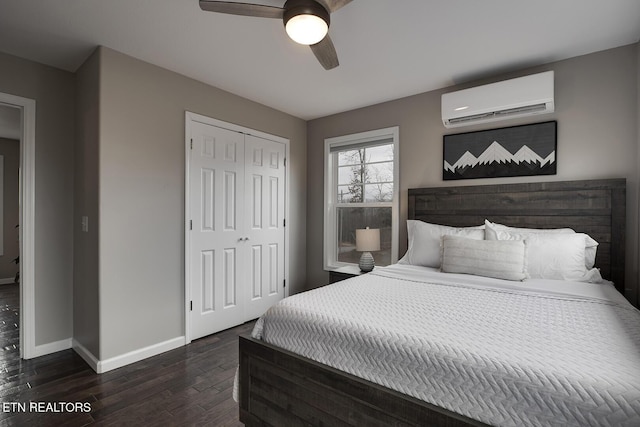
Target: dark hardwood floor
[(191, 385)]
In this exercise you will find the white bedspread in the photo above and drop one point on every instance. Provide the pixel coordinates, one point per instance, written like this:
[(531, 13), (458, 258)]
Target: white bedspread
[(505, 353)]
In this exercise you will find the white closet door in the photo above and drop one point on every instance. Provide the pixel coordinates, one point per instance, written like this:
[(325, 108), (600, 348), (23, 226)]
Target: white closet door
[(264, 214), (217, 184), (237, 192)]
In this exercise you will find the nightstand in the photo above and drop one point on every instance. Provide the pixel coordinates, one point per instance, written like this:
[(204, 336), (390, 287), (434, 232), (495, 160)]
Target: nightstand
[(344, 273)]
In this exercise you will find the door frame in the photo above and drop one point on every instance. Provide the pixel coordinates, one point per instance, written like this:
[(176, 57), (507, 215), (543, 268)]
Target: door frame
[(27, 221), (192, 118)]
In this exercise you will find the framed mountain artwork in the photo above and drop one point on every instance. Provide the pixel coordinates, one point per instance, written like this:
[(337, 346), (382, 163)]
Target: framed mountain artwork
[(524, 150)]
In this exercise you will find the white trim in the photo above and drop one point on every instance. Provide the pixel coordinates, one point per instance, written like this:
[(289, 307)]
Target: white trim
[(88, 357), (287, 217), (189, 118), (52, 347), (331, 175), (7, 281), (102, 366), (138, 355), (27, 222)]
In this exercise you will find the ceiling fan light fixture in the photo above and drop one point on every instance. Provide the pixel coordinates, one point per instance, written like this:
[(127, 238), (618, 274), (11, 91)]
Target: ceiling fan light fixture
[(306, 29), (305, 21)]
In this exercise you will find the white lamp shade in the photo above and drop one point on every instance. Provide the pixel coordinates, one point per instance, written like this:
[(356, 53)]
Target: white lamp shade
[(368, 239), (306, 29)]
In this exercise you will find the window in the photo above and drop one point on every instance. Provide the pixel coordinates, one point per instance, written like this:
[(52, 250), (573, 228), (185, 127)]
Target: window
[(361, 190)]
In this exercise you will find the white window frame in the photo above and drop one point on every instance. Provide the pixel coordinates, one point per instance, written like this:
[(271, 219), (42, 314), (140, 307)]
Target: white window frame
[(330, 197)]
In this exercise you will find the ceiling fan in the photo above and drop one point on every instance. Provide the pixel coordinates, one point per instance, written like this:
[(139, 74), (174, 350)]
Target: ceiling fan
[(306, 22)]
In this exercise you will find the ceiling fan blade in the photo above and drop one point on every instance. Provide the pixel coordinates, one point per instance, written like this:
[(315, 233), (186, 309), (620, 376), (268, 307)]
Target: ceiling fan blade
[(325, 52), (244, 9), (333, 5)]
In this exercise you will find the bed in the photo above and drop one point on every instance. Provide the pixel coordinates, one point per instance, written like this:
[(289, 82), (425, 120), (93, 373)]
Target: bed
[(280, 387)]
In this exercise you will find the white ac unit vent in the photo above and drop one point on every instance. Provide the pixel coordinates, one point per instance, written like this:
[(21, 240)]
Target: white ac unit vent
[(507, 99)]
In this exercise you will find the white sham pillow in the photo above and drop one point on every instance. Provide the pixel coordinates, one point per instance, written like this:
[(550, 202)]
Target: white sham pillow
[(591, 246), (501, 259), (590, 251), (492, 227), (425, 241), (559, 256)]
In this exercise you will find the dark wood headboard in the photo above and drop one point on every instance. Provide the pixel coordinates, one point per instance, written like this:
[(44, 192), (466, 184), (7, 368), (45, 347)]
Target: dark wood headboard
[(595, 207)]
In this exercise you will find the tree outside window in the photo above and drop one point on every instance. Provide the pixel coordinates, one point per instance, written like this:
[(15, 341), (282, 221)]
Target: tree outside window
[(361, 172), (365, 178)]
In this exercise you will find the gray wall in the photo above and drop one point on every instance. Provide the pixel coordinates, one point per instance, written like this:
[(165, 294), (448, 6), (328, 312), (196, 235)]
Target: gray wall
[(141, 178), (86, 309), (597, 114), (54, 92), (10, 150)]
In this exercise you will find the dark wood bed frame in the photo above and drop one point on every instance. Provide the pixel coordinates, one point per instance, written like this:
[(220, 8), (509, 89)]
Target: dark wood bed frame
[(279, 388)]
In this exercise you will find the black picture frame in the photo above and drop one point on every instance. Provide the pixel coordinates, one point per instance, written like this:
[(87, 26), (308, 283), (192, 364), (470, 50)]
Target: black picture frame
[(523, 150)]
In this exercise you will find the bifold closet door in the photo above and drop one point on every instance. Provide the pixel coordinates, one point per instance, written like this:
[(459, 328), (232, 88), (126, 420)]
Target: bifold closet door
[(265, 202), (237, 233)]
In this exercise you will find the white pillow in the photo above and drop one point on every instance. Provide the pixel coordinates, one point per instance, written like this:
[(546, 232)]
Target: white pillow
[(492, 227), (491, 258), (559, 256), (591, 246), (425, 240)]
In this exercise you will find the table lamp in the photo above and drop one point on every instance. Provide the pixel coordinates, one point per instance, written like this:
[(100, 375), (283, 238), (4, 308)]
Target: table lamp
[(367, 240)]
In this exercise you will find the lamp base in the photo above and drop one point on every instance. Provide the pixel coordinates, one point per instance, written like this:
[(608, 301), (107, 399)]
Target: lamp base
[(366, 262)]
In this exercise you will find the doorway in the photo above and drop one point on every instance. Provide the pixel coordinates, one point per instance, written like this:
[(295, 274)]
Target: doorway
[(26, 110)]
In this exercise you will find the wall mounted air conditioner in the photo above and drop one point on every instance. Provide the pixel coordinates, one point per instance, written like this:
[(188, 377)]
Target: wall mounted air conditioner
[(507, 99)]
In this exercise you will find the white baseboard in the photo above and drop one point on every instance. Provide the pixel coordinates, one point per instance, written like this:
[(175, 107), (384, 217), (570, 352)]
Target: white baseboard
[(7, 281), (52, 347), (86, 355), (102, 366), (140, 354)]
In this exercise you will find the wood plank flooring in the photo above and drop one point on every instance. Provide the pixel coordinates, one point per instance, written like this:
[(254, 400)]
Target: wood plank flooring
[(191, 385)]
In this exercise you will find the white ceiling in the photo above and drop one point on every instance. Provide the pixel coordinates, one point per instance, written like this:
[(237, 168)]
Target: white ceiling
[(387, 49)]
